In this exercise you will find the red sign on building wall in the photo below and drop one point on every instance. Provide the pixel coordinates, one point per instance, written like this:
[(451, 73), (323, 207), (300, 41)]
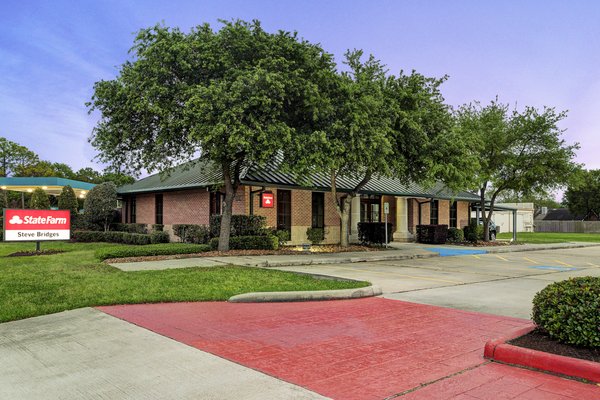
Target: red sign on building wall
[(266, 200), (37, 225)]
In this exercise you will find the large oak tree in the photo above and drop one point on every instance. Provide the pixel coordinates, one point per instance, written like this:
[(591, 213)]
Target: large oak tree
[(234, 97)]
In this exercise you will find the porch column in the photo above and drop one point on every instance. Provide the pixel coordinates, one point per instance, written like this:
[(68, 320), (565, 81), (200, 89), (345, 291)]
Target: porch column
[(354, 219), (402, 234)]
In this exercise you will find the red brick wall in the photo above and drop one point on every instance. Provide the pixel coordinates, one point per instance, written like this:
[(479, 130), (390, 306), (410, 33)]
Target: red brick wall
[(444, 212), (269, 213), (144, 204), (186, 207), (462, 214)]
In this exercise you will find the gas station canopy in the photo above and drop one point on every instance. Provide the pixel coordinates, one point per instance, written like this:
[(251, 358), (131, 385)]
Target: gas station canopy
[(52, 186)]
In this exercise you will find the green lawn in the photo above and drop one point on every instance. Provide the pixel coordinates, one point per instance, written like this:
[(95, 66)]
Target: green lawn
[(37, 285), (550, 237)]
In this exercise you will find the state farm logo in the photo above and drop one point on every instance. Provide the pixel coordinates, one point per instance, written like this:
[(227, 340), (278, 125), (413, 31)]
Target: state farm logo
[(15, 220), (37, 220)]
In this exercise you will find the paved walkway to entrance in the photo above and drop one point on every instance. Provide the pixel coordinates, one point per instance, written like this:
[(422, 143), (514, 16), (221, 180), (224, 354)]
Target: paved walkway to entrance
[(358, 349), (398, 251)]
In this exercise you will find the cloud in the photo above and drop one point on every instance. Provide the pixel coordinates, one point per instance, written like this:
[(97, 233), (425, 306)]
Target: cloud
[(15, 220)]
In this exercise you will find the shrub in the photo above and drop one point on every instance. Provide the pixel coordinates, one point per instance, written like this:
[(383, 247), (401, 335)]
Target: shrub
[(151, 250), (39, 200), (158, 227), (159, 237), (130, 227), (315, 235), (434, 234), (111, 237), (456, 235), (68, 201), (100, 203), (569, 311), (282, 236), (473, 232), (373, 232), (190, 233), (268, 242), (241, 225)]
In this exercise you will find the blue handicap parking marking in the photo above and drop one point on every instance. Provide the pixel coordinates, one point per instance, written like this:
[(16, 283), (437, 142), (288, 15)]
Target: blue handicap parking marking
[(448, 252), (552, 268)]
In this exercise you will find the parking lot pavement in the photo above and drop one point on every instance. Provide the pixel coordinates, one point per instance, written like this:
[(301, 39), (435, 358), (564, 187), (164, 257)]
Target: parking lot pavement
[(86, 354), (502, 284)]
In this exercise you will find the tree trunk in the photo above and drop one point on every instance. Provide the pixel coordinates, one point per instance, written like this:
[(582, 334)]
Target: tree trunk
[(230, 191), (345, 220), (486, 230)]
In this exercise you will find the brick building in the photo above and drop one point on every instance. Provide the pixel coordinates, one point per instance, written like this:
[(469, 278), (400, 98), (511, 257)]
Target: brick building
[(190, 194)]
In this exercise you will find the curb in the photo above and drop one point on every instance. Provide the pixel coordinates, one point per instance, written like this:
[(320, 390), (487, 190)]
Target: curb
[(349, 260), (500, 351), (310, 295), (523, 248)]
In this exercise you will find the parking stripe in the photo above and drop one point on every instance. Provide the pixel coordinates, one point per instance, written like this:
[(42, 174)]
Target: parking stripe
[(502, 258), (530, 260), (592, 265), (563, 263), (477, 257)]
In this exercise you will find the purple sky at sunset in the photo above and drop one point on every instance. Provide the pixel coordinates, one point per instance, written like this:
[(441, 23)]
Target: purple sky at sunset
[(526, 52)]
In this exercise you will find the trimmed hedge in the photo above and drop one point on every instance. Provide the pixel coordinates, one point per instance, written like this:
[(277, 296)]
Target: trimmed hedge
[(374, 232), (282, 236), (456, 235), (241, 225), (190, 233), (119, 237), (248, 243), (433, 234), (151, 250), (130, 227), (569, 311)]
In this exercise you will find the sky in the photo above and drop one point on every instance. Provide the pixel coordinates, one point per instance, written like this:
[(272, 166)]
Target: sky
[(534, 53)]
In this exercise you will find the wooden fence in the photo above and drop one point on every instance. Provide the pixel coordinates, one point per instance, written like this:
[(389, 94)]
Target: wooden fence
[(568, 226)]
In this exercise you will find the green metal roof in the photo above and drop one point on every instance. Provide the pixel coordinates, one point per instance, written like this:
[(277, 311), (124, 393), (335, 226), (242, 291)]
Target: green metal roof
[(200, 175)]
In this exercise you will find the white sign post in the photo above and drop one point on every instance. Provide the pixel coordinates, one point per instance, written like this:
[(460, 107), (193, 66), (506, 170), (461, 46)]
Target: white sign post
[(386, 211)]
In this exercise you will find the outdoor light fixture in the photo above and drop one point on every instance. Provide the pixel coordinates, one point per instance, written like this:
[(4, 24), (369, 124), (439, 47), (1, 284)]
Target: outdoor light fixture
[(30, 190), (81, 196), (44, 187), (3, 187)]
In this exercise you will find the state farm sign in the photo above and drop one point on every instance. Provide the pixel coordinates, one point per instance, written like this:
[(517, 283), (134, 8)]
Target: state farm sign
[(267, 200), (37, 225)]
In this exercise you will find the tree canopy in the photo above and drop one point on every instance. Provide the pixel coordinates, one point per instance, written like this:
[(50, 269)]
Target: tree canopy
[(39, 200), (100, 204), (583, 194), (234, 97), (14, 156), (67, 200), (518, 151)]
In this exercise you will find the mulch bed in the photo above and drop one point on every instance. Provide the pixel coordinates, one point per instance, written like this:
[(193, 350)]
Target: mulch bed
[(35, 253), (285, 251), (537, 340)]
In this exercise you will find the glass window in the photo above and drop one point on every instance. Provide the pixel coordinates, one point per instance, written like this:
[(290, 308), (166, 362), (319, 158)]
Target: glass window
[(132, 210), (370, 209), (433, 212), (216, 200), (318, 210), (453, 214), (284, 210), (158, 208)]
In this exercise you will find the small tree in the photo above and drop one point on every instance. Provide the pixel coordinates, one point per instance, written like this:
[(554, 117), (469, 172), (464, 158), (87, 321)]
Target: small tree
[(67, 200), (100, 204), (39, 200), (516, 151)]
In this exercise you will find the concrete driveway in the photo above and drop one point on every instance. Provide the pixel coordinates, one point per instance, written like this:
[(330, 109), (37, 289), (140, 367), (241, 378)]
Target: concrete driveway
[(502, 284)]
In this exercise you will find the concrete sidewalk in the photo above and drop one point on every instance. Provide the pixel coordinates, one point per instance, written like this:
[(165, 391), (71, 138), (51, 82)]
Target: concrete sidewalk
[(398, 251)]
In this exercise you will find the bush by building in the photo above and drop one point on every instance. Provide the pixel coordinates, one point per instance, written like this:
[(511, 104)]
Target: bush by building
[(268, 242), (68, 201), (151, 250), (473, 232), (374, 232), (190, 233), (569, 311), (315, 235), (129, 227), (241, 225), (100, 204), (433, 234), (456, 235), (282, 236)]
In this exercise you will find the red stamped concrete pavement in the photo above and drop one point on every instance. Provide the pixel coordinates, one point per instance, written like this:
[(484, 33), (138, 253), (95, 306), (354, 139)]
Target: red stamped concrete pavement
[(358, 349)]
